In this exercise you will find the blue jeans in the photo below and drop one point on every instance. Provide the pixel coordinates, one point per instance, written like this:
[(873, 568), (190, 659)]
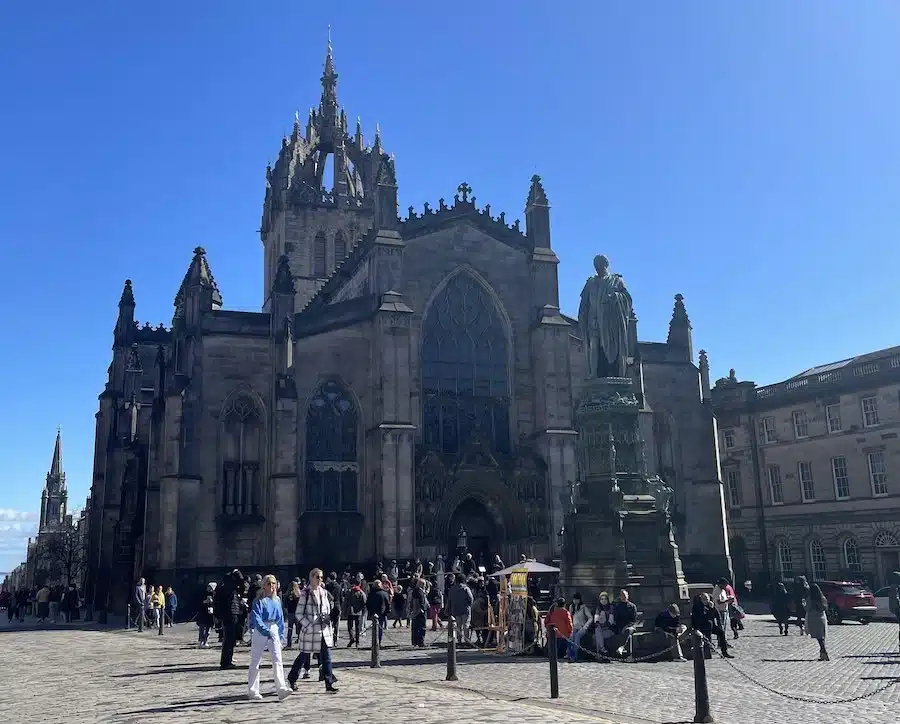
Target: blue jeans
[(574, 644)]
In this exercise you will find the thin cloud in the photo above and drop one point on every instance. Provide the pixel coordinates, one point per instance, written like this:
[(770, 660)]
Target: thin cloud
[(12, 514)]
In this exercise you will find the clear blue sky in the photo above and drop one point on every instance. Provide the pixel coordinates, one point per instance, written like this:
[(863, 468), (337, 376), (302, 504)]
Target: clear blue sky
[(745, 155)]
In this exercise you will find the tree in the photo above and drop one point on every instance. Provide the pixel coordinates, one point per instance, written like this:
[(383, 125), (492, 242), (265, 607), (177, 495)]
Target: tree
[(61, 556)]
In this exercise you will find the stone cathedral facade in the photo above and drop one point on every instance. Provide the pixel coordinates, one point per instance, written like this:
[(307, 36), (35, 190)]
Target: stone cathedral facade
[(406, 377)]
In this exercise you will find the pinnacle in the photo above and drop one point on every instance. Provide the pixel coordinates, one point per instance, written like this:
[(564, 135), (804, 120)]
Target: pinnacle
[(536, 194), (127, 298), (284, 280)]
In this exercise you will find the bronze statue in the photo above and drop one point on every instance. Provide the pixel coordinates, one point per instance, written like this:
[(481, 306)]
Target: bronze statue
[(604, 317)]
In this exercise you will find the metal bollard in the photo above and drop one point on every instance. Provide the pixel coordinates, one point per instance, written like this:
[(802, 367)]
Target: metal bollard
[(451, 650), (376, 644), (162, 621), (554, 663), (701, 691), (127, 616)]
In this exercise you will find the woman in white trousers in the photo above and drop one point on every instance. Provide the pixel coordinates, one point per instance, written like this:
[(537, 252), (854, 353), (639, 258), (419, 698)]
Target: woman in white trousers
[(267, 633)]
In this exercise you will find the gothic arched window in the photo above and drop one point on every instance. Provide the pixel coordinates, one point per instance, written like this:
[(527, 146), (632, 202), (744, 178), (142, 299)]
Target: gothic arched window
[(332, 467), (320, 255), (465, 370), (340, 249), (242, 452)]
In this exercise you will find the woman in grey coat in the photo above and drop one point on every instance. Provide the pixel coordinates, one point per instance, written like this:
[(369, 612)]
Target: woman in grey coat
[(816, 621)]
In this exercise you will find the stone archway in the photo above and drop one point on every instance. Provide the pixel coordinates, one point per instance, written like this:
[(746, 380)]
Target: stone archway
[(484, 530)]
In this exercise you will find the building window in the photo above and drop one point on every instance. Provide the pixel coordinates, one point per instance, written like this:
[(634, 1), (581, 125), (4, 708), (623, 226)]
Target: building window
[(728, 439), (733, 477), (833, 417), (817, 560), (885, 540), (807, 486), (870, 411), (465, 376), (878, 473), (776, 489), (801, 424), (340, 249), (242, 452), (289, 247), (332, 465), (769, 429), (785, 560), (841, 479), (320, 255), (850, 550)]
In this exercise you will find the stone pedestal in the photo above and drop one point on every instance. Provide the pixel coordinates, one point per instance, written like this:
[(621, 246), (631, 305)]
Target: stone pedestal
[(617, 530)]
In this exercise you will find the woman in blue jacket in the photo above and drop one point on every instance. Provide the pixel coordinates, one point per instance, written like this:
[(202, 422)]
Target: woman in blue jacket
[(267, 632)]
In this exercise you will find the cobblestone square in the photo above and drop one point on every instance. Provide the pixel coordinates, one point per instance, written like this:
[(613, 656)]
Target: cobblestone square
[(63, 674)]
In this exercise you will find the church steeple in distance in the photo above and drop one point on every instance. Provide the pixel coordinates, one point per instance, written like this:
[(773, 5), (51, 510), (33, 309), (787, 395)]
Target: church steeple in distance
[(53, 498)]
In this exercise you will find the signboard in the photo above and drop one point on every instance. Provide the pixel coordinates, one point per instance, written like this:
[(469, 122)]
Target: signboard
[(518, 598)]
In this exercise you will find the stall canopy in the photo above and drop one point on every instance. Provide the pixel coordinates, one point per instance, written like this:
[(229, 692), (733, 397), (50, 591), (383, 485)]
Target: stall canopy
[(531, 566)]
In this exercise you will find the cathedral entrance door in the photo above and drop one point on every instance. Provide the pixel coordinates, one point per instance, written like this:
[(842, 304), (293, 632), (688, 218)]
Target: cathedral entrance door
[(482, 532)]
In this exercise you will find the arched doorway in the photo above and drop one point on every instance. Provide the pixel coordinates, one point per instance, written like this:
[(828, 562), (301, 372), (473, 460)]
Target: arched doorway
[(482, 532)]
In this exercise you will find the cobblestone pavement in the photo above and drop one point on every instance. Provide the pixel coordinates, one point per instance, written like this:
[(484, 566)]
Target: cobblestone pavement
[(127, 677), (67, 674)]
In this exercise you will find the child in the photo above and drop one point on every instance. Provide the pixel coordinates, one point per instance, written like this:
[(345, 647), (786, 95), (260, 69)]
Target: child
[(266, 632)]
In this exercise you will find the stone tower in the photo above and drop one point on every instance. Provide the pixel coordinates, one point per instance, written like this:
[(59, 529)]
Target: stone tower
[(320, 194), (53, 498)]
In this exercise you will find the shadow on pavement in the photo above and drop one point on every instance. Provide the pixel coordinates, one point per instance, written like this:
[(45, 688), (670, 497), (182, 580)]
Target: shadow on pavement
[(184, 705), (168, 670)]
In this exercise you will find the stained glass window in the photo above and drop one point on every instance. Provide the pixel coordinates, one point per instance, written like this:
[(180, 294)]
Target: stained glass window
[(332, 468), (465, 370)]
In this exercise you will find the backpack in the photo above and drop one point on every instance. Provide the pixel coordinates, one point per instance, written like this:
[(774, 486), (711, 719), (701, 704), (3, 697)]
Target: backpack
[(357, 602)]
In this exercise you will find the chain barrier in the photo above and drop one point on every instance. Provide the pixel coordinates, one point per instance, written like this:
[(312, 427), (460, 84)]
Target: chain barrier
[(797, 697), (618, 659)]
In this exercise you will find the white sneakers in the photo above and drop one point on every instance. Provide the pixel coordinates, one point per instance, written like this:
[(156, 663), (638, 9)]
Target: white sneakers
[(282, 695)]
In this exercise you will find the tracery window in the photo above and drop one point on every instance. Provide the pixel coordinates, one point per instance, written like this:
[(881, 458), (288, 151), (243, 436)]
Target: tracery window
[(340, 249), (332, 465), (465, 370), (241, 455), (320, 255)]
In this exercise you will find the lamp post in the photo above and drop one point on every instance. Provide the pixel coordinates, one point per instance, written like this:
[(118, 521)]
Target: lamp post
[(461, 539)]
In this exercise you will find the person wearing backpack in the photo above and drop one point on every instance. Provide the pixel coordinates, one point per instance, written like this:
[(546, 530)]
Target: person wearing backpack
[(355, 604)]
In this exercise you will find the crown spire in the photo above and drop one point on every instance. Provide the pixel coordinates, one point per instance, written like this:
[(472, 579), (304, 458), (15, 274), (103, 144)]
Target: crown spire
[(329, 80)]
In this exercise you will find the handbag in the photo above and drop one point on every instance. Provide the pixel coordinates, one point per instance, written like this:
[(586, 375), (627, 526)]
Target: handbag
[(735, 611)]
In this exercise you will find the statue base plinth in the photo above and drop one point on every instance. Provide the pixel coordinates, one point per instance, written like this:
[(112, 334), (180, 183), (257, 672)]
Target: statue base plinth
[(618, 533)]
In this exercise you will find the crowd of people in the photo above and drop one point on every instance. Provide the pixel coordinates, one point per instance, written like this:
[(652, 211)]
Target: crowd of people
[(47, 603)]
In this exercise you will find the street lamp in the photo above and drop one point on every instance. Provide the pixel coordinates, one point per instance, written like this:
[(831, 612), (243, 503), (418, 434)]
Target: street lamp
[(461, 539)]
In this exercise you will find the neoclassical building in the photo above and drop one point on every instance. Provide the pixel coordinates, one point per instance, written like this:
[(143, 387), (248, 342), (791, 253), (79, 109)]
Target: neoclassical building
[(810, 471), (405, 378)]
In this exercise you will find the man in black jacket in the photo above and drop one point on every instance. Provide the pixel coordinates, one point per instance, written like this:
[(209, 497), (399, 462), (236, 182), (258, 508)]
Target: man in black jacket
[(231, 608), (378, 605)]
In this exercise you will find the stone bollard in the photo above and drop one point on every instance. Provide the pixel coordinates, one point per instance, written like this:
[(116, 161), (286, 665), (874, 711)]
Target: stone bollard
[(376, 644), (701, 691), (451, 649), (554, 663)]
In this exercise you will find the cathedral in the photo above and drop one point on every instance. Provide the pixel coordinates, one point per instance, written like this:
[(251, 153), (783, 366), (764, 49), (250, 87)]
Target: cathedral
[(408, 380)]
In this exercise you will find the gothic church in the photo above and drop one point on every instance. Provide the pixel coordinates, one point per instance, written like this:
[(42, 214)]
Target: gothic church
[(405, 379)]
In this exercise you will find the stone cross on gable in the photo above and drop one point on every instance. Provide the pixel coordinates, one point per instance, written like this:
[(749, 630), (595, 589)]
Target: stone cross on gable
[(134, 407), (464, 190)]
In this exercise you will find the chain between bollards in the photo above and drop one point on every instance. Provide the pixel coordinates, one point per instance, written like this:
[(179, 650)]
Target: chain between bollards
[(451, 650), (701, 690), (554, 662), (376, 644)]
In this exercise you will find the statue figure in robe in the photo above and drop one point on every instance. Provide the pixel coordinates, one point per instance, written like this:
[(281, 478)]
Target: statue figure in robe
[(603, 318)]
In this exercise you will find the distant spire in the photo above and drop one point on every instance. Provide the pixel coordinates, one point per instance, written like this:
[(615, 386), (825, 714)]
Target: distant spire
[(329, 77), (56, 463), (680, 329), (536, 194)]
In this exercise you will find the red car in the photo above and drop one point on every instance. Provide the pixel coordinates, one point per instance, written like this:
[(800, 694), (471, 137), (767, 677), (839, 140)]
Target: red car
[(848, 600)]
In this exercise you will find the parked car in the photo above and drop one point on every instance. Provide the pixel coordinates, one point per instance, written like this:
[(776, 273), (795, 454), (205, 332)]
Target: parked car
[(848, 600), (883, 603)]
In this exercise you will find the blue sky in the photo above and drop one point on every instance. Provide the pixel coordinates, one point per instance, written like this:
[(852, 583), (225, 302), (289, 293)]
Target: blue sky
[(744, 155)]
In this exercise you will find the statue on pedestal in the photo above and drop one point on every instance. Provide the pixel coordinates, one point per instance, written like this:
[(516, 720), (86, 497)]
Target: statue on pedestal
[(603, 318)]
